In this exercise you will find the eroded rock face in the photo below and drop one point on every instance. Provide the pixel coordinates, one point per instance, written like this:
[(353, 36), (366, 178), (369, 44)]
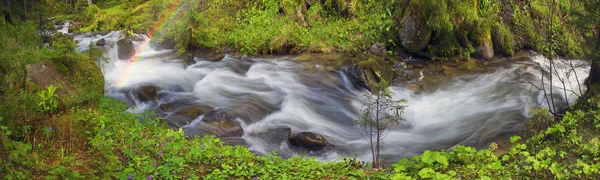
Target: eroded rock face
[(126, 48), (308, 140), (413, 33)]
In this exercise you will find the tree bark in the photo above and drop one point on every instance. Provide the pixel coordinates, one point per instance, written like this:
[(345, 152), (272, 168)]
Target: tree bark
[(89, 3), (594, 77)]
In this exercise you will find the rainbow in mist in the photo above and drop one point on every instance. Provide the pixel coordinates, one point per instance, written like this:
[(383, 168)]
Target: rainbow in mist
[(173, 9)]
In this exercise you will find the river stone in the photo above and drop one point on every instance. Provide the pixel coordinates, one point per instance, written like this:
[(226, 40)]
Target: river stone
[(220, 124), (308, 140), (101, 42), (378, 49), (126, 48), (145, 92), (413, 33)]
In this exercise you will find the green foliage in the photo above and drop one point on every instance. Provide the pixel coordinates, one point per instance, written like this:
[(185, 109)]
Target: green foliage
[(48, 100), (119, 146), (504, 40), (252, 27)]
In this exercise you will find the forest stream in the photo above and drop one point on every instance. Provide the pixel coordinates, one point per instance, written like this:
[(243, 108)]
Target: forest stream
[(260, 101)]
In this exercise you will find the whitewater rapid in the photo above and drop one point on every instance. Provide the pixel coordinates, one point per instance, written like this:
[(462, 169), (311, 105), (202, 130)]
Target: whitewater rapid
[(266, 94)]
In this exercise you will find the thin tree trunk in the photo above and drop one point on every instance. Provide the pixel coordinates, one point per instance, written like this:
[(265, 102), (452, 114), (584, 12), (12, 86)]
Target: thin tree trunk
[(89, 3), (378, 109), (25, 9), (551, 60)]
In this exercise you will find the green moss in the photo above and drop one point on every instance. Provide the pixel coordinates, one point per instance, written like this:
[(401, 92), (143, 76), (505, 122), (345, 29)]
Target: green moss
[(376, 68), (503, 39)]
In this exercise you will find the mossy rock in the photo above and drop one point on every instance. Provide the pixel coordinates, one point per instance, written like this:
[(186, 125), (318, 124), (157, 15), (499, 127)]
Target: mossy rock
[(368, 70)]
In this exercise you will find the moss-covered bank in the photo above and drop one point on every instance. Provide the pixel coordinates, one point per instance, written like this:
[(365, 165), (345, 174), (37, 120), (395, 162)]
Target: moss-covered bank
[(437, 29)]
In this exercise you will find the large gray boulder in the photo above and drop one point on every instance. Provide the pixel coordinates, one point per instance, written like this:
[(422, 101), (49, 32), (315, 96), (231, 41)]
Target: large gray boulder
[(413, 32), (221, 124)]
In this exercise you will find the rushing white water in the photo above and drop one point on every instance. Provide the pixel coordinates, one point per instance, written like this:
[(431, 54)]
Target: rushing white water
[(64, 28), (268, 94)]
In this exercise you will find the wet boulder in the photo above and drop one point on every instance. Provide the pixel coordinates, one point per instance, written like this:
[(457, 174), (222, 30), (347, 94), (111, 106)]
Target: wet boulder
[(101, 42), (126, 48), (145, 92), (378, 49), (220, 124), (413, 33), (308, 140)]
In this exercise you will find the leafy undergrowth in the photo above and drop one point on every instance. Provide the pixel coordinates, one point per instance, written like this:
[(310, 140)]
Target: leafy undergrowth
[(109, 142)]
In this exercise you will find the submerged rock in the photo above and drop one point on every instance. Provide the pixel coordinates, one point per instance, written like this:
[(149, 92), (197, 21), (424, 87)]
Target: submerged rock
[(275, 136), (185, 115), (308, 140), (126, 48)]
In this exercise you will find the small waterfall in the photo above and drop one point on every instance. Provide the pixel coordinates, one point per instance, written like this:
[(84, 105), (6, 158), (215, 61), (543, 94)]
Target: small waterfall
[(265, 95)]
